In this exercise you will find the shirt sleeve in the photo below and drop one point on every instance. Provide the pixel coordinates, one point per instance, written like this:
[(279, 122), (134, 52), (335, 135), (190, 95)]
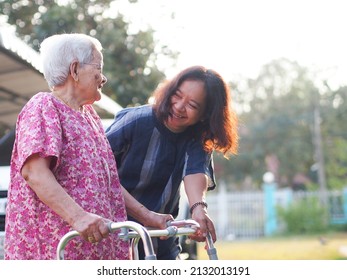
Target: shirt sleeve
[(38, 130), (119, 134), (199, 161)]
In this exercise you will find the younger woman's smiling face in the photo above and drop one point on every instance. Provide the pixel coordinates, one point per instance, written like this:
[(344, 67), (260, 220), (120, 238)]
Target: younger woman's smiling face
[(187, 106)]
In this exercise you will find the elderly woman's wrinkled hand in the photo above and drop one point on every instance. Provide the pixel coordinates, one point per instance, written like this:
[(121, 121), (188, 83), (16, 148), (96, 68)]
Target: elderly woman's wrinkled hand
[(157, 220), (91, 227)]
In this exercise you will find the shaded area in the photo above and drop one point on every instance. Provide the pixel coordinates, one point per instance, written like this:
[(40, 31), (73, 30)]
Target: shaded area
[(6, 145)]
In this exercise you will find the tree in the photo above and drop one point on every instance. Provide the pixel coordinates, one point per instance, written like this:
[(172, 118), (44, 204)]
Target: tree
[(276, 131), (279, 128), (129, 58), (334, 116)]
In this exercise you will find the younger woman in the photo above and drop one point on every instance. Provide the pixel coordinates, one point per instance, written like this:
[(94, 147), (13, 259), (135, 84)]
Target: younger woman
[(157, 146)]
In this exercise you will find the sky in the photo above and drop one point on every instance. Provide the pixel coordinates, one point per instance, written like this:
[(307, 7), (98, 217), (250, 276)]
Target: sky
[(236, 38)]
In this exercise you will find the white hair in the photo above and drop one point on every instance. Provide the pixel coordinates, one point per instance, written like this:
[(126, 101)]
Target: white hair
[(59, 51)]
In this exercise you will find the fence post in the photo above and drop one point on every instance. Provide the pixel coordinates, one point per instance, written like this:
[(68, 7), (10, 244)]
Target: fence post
[(345, 203), (222, 202), (269, 188)]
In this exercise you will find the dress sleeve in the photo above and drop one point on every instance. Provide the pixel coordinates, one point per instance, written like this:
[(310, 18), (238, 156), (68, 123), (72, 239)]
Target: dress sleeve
[(199, 161), (38, 130)]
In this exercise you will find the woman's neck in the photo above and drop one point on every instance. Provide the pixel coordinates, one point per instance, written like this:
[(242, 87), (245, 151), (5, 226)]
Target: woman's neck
[(67, 99)]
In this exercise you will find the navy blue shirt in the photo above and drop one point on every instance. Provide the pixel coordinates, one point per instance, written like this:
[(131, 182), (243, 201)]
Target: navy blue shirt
[(152, 161)]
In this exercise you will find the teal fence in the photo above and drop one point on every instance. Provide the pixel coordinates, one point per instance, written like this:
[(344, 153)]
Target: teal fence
[(249, 215)]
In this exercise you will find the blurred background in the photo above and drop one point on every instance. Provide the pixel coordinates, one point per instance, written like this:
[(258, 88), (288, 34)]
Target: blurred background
[(286, 64)]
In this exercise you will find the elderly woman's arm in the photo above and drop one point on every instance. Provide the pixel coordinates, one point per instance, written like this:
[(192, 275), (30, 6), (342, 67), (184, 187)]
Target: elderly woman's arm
[(146, 217), (40, 178)]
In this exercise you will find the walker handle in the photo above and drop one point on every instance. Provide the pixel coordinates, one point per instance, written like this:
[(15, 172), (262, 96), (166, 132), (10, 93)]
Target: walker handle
[(211, 250), (174, 228), (141, 231)]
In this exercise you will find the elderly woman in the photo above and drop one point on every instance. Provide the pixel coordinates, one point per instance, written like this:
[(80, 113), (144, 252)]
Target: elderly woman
[(63, 173)]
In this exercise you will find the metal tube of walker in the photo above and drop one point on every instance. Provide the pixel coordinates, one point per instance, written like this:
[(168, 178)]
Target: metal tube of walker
[(142, 232), (211, 250), (175, 228)]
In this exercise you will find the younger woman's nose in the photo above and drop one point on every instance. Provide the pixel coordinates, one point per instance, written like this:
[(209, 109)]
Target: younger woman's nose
[(180, 105)]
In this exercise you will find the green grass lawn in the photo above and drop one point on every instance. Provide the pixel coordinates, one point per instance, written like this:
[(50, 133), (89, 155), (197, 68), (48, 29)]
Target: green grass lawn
[(331, 246)]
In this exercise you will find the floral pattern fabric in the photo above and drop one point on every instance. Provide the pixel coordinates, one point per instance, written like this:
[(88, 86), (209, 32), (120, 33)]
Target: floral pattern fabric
[(82, 163)]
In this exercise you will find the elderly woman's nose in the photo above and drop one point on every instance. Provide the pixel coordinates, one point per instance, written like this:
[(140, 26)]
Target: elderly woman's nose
[(104, 79)]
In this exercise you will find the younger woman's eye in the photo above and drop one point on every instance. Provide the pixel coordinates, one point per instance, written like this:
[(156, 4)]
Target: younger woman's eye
[(193, 106)]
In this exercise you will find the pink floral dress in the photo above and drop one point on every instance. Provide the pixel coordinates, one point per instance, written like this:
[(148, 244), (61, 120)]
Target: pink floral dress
[(84, 165)]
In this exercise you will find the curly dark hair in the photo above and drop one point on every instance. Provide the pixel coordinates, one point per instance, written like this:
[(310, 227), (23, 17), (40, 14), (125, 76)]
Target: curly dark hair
[(219, 129)]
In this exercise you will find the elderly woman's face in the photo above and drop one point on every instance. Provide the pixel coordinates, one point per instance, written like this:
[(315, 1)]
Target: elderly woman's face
[(91, 79)]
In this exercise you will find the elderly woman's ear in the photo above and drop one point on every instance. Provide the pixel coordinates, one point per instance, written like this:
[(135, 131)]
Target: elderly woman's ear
[(74, 70)]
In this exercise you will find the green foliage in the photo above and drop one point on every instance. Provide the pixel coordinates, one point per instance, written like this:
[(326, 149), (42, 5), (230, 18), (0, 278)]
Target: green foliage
[(304, 216), (129, 57), (35, 20), (275, 123), (337, 162), (276, 128), (129, 65), (335, 142)]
